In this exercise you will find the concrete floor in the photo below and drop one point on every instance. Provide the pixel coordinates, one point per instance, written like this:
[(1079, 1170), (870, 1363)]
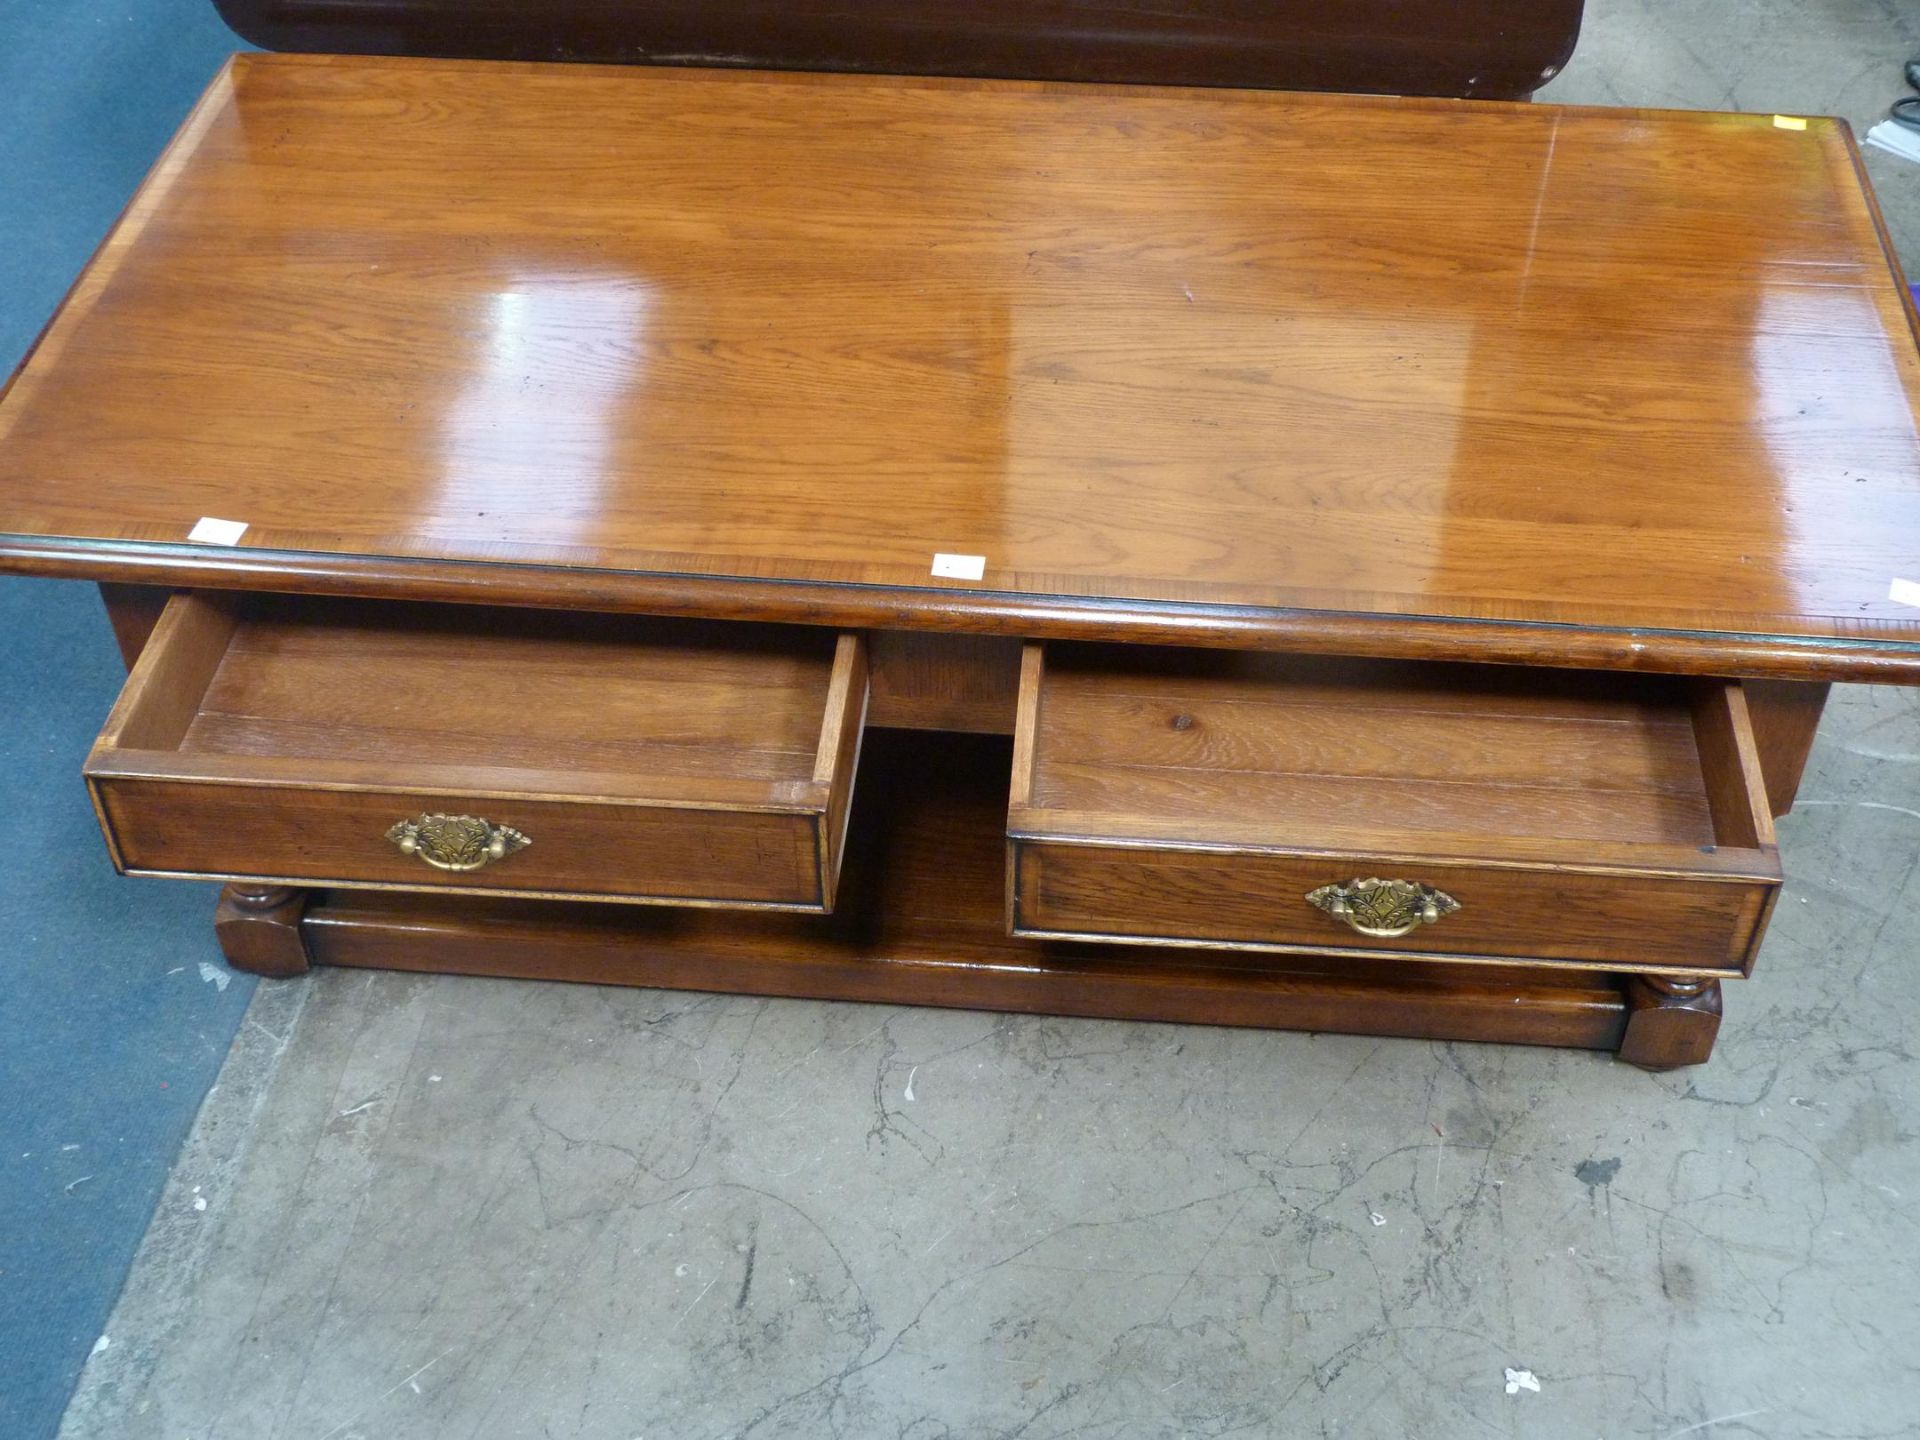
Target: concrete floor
[(437, 1207)]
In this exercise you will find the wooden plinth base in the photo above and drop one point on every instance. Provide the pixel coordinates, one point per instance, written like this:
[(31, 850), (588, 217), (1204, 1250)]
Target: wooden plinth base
[(921, 921)]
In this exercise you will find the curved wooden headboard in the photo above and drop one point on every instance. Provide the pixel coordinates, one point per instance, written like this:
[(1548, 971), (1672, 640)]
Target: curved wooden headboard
[(1492, 48)]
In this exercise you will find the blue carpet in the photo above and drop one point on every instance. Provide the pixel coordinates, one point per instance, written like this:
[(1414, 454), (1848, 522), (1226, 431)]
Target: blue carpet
[(109, 1035)]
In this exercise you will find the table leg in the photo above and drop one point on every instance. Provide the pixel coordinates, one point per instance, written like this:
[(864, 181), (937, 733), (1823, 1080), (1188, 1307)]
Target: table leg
[(258, 927), (133, 611), (1785, 714), (1671, 1021)]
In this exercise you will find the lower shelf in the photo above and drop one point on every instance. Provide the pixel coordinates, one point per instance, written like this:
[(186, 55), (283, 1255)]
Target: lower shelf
[(920, 921)]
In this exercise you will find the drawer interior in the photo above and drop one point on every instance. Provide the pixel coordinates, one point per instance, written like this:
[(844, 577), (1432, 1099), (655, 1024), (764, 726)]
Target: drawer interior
[(664, 760), (627, 700), (1475, 760)]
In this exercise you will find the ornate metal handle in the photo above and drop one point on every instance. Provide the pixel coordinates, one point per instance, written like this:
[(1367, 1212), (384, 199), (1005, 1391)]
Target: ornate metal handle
[(456, 842), (1384, 909)]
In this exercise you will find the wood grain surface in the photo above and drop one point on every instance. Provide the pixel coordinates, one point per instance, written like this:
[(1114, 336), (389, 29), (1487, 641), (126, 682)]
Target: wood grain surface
[(1196, 799), (1785, 718), (680, 762), (1607, 922), (701, 339)]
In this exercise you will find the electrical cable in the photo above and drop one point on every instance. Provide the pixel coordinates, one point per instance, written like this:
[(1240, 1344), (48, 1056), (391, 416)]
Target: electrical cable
[(1906, 111)]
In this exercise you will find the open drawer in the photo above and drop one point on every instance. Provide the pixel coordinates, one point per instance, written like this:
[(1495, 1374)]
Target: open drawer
[(348, 743), (1271, 802)]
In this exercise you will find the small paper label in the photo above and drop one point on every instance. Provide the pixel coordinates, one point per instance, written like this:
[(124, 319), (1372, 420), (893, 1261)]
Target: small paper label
[(1789, 122), (1904, 592), (960, 567), (209, 531)]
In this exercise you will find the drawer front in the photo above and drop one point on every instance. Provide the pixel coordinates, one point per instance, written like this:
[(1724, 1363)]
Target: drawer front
[(1259, 901), (630, 852), (338, 743)]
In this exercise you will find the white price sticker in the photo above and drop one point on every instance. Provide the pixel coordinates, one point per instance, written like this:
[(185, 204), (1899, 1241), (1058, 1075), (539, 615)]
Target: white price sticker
[(960, 567), (209, 531)]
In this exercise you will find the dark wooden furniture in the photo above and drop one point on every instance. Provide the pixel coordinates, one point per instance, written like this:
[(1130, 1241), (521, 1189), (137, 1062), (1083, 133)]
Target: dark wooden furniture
[(1406, 542), (1492, 49)]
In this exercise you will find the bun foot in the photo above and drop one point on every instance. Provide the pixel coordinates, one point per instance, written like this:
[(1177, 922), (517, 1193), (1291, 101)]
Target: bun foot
[(258, 927), (1671, 1021)]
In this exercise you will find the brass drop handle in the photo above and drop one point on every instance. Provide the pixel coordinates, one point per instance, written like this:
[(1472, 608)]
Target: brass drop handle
[(456, 842), (1384, 909)]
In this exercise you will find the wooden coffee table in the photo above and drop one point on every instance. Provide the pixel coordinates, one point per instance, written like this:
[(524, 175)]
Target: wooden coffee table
[(606, 524)]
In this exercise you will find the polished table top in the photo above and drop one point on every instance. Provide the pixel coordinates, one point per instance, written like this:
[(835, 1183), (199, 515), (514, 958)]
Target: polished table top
[(1301, 367)]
